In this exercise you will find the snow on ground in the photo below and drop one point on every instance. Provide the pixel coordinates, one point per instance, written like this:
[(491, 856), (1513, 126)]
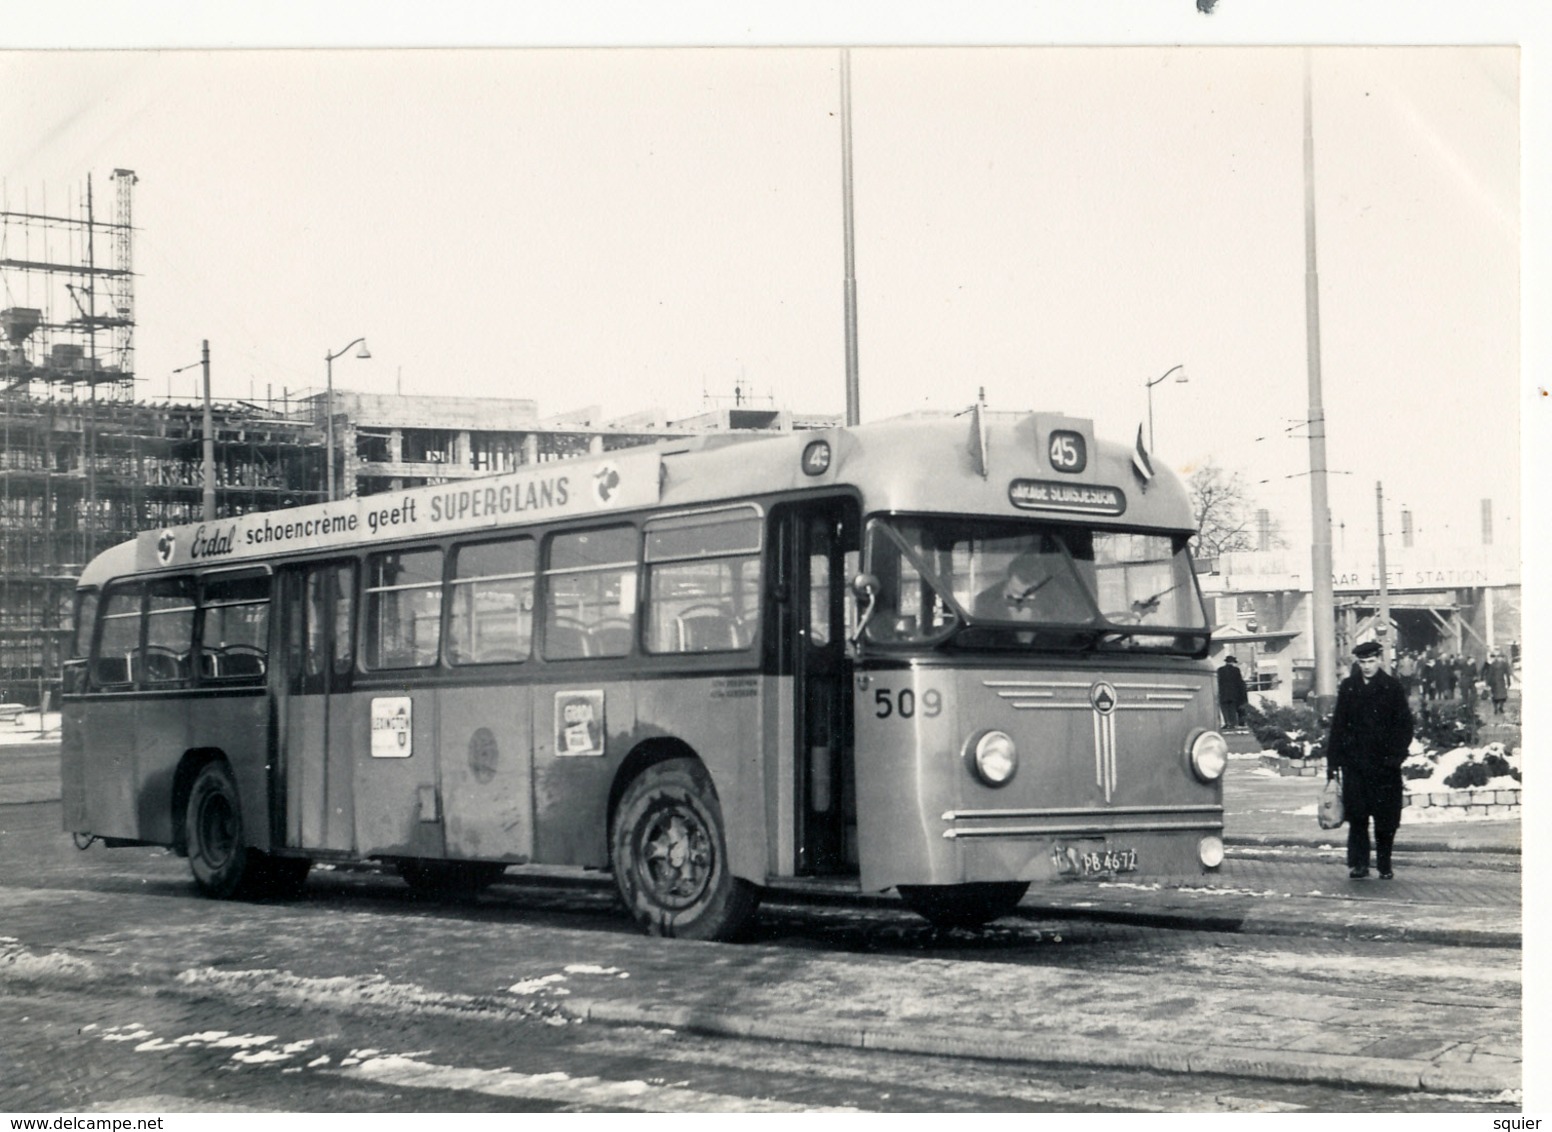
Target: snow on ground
[(27, 730), (1450, 761)]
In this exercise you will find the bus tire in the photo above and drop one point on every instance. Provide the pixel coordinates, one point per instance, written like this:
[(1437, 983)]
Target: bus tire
[(219, 856), (669, 849), (963, 905)]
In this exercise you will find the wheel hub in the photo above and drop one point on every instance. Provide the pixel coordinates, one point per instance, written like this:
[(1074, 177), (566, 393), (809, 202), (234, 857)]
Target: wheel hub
[(676, 857)]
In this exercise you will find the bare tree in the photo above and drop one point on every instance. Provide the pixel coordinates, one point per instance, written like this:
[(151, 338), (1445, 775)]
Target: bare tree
[(1225, 513)]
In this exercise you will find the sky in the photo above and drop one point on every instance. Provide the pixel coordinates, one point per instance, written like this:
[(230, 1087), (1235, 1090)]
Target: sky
[(627, 227)]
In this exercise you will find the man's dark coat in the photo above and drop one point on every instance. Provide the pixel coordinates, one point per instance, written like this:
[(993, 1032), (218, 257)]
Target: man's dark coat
[(1371, 731)]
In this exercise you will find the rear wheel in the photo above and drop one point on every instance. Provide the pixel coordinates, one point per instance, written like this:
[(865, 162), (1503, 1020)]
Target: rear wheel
[(963, 905), (218, 855), (669, 849)]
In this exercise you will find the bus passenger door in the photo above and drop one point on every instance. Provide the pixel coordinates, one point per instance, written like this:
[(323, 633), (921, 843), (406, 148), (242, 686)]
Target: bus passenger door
[(819, 552), (317, 601)]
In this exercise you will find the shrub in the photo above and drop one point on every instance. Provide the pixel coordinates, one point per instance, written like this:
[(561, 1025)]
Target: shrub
[(1498, 766), (1478, 772), (1274, 725), (1445, 726), (1468, 775)]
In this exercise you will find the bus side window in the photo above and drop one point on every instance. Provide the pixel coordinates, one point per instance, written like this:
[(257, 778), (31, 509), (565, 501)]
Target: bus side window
[(492, 602), (118, 642), (403, 608), (234, 630), (703, 581), (169, 644), (590, 593)]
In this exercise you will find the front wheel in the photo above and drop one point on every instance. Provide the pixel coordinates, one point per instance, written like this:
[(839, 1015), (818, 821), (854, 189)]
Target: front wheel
[(963, 905), (669, 849)]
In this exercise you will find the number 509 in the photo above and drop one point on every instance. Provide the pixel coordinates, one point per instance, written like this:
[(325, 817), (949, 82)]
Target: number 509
[(887, 702)]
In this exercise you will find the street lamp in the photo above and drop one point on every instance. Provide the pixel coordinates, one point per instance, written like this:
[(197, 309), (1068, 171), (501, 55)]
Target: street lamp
[(328, 362), (1182, 378), (207, 442)]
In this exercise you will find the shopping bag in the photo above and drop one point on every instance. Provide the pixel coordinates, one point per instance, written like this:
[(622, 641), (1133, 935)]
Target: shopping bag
[(1328, 809)]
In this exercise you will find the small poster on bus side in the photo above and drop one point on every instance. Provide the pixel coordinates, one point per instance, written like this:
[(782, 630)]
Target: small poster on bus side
[(579, 723), (391, 727)]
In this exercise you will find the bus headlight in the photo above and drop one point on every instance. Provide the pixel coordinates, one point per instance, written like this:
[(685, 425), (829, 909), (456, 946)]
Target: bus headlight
[(1209, 754), (1210, 850), (992, 757)]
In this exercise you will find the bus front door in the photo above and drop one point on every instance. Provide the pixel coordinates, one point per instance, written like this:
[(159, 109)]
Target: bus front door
[(315, 758), (820, 546)]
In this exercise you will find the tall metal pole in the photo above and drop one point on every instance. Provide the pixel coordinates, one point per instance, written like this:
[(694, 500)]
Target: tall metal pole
[(328, 405), (328, 410), (209, 437), (1382, 630), (1322, 599), (853, 394)]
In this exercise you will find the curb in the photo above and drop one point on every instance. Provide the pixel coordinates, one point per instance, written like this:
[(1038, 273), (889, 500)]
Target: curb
[(1254, 922), (1338, 844), (962, 1042)]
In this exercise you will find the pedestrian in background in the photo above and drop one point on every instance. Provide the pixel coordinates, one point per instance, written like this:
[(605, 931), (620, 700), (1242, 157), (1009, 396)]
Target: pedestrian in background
[(1496, 675), (1406, 672), (1233, 698), (1371, 733), (1443, 675)]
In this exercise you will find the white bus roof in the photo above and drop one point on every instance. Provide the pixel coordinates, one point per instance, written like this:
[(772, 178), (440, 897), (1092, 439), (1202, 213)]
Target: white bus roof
[(1038, 465)]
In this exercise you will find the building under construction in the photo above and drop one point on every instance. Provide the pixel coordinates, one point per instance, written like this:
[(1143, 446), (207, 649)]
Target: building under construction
[(84, 465)]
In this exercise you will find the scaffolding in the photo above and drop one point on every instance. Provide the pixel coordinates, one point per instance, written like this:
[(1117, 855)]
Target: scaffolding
[(67, 306), (77, 477)]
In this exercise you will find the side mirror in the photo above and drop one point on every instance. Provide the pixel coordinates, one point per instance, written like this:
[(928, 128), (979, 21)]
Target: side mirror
[(865, 586)]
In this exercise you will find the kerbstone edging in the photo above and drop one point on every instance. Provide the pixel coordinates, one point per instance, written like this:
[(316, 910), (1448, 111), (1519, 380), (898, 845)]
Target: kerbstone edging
[(951, 1041)]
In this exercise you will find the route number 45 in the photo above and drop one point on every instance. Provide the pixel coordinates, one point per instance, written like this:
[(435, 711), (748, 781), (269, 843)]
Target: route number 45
[(1067, 451), (887, 702)]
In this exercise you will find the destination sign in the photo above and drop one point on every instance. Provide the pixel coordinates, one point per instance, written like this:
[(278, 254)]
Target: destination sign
[(538, 492), (1051, 495)]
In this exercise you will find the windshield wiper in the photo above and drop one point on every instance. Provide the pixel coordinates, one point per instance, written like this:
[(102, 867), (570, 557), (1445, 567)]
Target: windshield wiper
[(1143, 606)]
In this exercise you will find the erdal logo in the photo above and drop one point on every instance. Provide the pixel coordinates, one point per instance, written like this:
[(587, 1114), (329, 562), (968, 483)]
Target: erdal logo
[(165, 546), (605, 481)]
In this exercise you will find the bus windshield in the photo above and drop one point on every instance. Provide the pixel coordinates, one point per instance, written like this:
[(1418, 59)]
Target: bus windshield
[(998, 584)]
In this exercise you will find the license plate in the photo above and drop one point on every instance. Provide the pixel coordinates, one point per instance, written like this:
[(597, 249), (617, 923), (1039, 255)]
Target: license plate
[(1092, 860)]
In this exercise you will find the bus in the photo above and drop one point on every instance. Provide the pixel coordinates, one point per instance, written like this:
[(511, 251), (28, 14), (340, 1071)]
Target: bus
[(946, 655)]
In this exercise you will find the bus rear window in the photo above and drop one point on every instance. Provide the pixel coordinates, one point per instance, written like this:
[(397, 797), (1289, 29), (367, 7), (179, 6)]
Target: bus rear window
[(118, 643), (85, 618)]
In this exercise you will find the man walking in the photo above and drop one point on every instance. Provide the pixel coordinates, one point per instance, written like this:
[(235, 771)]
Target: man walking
[(1233, 697), (1371, 732), (1496, 674)]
